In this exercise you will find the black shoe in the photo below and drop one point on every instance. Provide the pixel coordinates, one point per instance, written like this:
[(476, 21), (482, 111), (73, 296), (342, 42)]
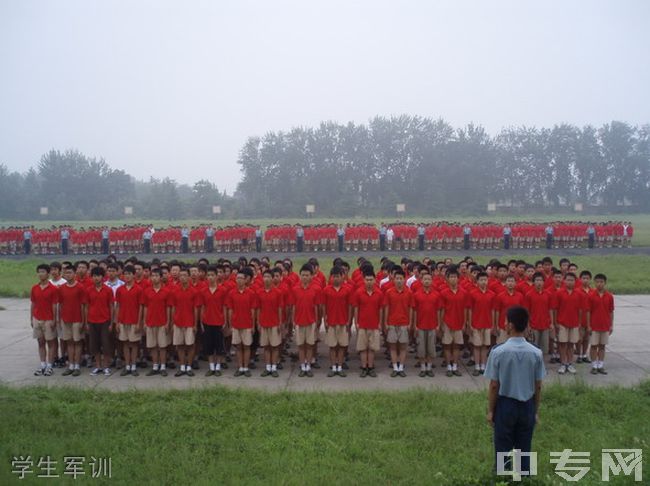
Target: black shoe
[(402, 373), (163, 372), (275, 374), (217, 372), (309, 373), (394, 373), (331, 373), (179, 372), (342, 374), (594, 371), (265, 373), (152, 372), (476, 372), (364, 373), (189, 372), (209, 373), (125, 372), (430, 373), (457, 373), (372, 373), (602, 371), (238, 373)]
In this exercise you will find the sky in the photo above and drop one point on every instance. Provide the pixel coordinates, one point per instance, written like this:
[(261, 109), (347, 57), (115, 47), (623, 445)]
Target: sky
[(174, 88)]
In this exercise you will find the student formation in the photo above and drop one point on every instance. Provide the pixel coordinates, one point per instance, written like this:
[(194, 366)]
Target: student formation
[(168, 316), (398, 236)]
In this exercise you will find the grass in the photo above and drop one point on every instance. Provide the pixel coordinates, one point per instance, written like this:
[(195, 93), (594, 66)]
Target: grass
[(221, 435), (627, 274), (641, 222)]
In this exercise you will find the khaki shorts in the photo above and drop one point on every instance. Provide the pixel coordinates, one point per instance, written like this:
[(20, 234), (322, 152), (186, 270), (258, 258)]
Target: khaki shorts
[(397, 334), (449, 336), (337, 336), (599, 338), (183, 336), (129, 332), (368, 339), (242, 336), (305, 334), (157, 337), (481, 337), (72, 330), (44, 330), (426, 343), (270, 336), (568, 334), (502, 337)]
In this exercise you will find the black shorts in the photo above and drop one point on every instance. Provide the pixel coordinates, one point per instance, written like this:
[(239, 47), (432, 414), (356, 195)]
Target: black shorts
[(101, 340), (213, 340)]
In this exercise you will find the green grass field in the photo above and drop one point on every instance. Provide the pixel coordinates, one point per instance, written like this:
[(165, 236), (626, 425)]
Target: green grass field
[(641, 222), (220, 435), (627, 274)]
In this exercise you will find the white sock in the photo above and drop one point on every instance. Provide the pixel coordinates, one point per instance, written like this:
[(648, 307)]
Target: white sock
[(274, 367), (401, 367), (43, 364), (423, 366), (212, 366), (48, 365), (449, 367), (155, 366), (339, 368), (307, 367), (594, 364), (76, 367), (71, 366), (395, 367), (334, 367), (477, 366), (600, 364), (246, 369), (241, 368), (268, 367), (454, 366), (429, 366), (217, 367), (183, 368)]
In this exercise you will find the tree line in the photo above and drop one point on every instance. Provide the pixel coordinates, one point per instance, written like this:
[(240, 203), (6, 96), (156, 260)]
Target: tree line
[(363, 170)]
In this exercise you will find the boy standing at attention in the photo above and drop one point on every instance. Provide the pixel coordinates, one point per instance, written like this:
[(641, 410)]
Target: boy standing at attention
[(539, 303), (570, 304), (241, 303), (44, 298), (583, 343), (367, 303), (455, 318), (482, 321), (72, 309), (269, 317), (212, 298), (427, 305), (156, 317), (600, 321), (128, 310), (184, 303), (337, 318), (397, 320), (304, 300), (100, 319)]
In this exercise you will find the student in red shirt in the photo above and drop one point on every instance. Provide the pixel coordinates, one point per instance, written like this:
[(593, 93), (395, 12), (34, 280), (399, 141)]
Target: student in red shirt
[(304, 300), (269, 317), (44, 298), (212, 298), (427, 310), (337, 318), (156, 316), (482, 318), (241, 303), (507, 298), (600, 321), (570, 305), (455, 318), (72, 310), (368, 303), (583, 343), (100, 319), (128, 311), (397, 321), (184, 303), (539, 303)]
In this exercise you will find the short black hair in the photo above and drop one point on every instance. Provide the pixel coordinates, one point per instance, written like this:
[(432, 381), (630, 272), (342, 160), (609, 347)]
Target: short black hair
[(601, 276), (43, 266), (585, 273), (97, 271), (537, 275), (518, 317), (307, 268), (336, 270)]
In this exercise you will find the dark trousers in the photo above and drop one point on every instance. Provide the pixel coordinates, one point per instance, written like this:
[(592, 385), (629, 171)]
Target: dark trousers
[(549, 242), (147, 246), (506, 242), (184, 244), (466, 242), (421, 242), (105, 246), (27, 246), (258, 244), (340, 242), (382, 242), (514, 422), (590, 241), (300, 243), (209, 244), (64, 247)]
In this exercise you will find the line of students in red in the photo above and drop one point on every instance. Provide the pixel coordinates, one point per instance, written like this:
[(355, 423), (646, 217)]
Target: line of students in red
[(162, 308)]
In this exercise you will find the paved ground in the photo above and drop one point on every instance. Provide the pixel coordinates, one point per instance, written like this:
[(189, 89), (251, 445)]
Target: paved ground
[(627, 360)]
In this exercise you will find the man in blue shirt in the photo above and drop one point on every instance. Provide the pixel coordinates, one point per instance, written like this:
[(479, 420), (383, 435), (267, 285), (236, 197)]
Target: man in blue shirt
[(515, 370)]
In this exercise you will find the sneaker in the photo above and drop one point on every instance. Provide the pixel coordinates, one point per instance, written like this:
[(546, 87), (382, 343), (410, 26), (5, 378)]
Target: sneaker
[(393, 373), (275, 374), (95, 372), (602, 371), (364, 373), (107, 372), (450, 373), (571, 369), (430, 373), (39, 372), (372, 373), (331, 373), (189, 372), (76, 372), (48, 371), (125, 372), (179, 372), (217, 372), (457, 373), (67, 372), (402, 373), (342, 373), (247, 373), (422, 374), (594, 371), (476, 372), (163, 372), (301, 374), (209, 373), (265, 373), (238, 373), (152, 372), (586, 360), (561, 370), (135, 373), (309, 373)]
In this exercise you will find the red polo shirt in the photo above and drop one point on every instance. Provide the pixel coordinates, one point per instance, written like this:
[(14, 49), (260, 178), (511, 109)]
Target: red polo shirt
[(426, 305), (483, 304), (539, 305), (44, 299), (129, 304), (337, 304), (369, 306), (156, 303), (505, 301), (304, 301), (184, 302), (454, 304), (212, 304), (601, 307), (241, 304), (270, 301), (71, 300), (569, 306), (100, 304), (398, 304)]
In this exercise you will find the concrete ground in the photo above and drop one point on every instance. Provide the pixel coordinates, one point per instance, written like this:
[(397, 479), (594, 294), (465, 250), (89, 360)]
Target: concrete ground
[(627, 360)]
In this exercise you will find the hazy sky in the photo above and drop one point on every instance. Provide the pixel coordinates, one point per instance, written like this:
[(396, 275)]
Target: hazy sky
[(173, 88)]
